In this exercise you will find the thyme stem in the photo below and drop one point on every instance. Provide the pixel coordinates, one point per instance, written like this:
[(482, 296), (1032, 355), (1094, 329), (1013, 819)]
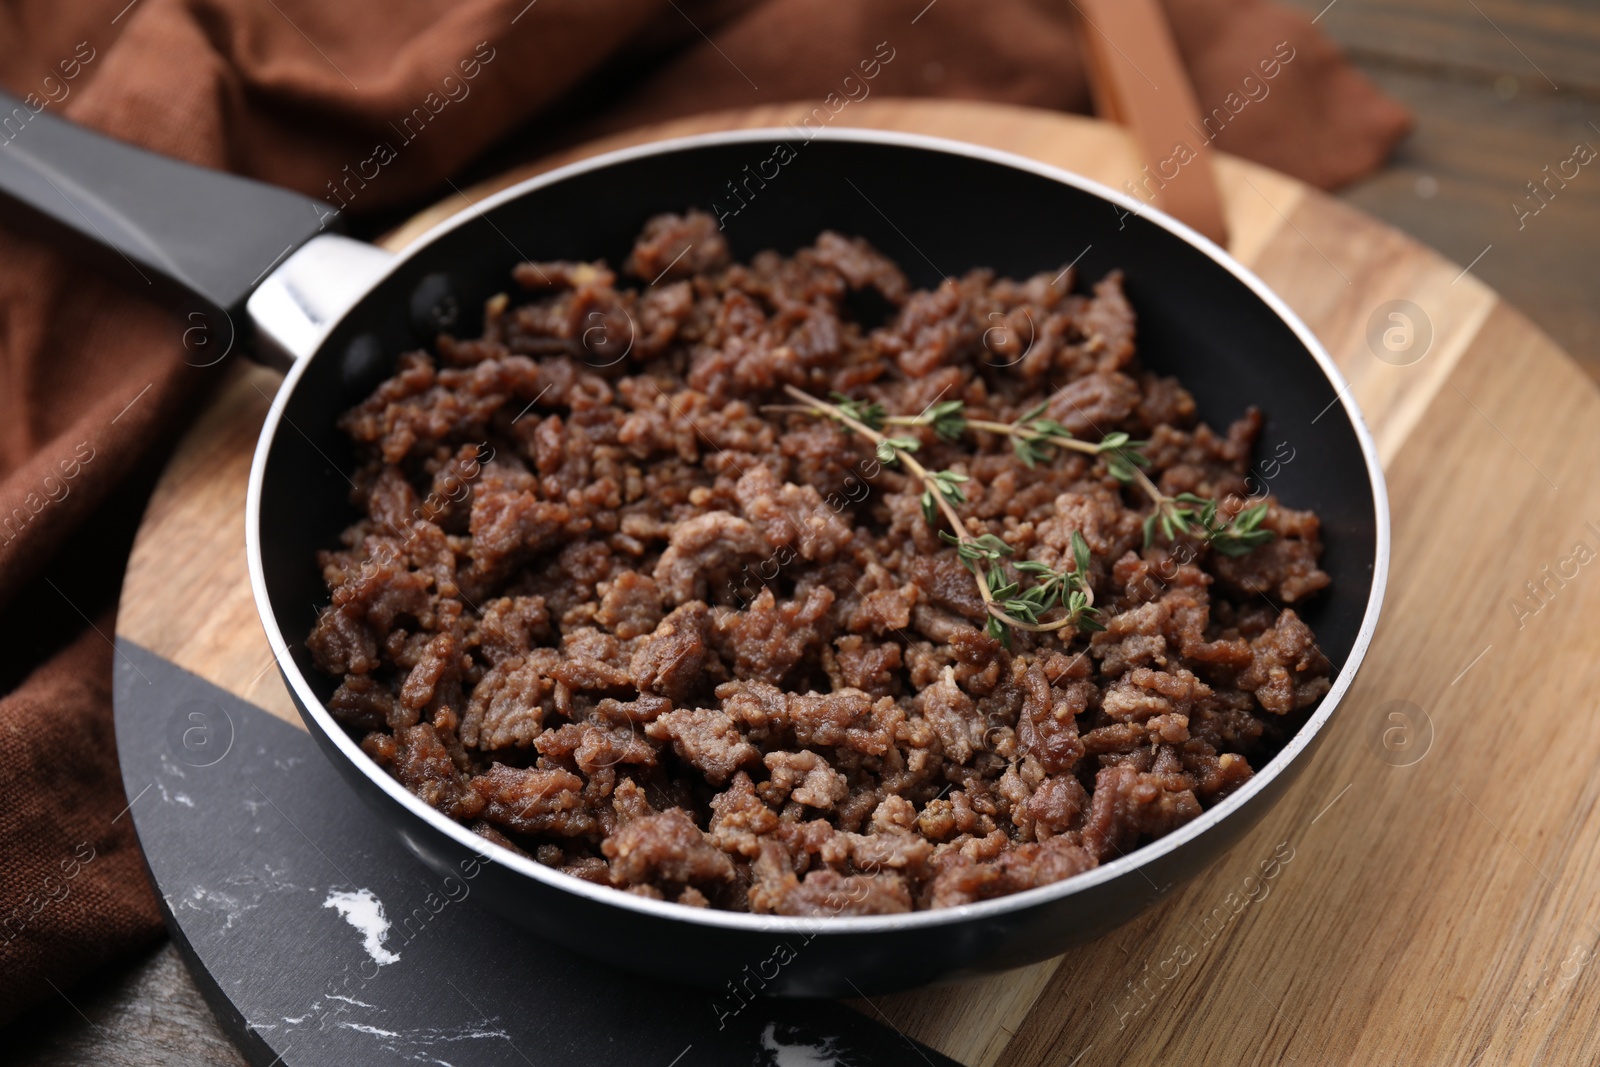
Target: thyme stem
[(910, 461), (1011, 429), (1033, 436), (936, 491)]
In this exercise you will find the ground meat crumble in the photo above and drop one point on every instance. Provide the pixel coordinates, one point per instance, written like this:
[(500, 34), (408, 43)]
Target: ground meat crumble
[(611, 611)]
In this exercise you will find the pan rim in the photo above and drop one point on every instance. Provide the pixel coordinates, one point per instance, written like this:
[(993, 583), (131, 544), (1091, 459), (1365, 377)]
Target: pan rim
[(312, 708)]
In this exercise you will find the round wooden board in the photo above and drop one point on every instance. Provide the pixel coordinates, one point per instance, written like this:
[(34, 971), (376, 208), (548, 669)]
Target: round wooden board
[(1435, 908)]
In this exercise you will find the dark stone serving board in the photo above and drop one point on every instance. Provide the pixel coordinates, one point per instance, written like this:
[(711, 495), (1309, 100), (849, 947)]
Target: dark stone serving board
[(254, 842)]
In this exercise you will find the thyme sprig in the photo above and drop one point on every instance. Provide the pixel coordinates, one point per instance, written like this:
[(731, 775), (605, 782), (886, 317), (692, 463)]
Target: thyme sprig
[(1068, 588), (1035, 438), (946, 417), (1196, 516), (1008, 606), (868, 413)]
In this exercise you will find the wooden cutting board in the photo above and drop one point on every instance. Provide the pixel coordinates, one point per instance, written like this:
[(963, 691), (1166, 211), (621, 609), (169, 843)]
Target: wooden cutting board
[(1436, 906)]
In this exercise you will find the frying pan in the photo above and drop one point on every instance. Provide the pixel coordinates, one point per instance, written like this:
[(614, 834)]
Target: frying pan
[(262, 269)]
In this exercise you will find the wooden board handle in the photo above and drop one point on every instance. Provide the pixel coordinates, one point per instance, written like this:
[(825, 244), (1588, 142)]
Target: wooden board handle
[(1138, 80)]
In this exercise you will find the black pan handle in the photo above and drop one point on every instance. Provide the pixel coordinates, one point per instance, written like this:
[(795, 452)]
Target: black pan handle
[(185, 231)]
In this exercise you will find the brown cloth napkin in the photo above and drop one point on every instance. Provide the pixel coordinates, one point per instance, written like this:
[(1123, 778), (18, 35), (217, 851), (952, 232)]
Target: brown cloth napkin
[(92, 383)]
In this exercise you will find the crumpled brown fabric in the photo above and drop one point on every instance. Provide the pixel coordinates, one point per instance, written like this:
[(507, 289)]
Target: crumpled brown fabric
[(92, 384)]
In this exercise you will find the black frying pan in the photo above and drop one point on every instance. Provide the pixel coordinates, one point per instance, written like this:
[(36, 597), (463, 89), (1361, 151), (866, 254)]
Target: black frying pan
[(337, 312)]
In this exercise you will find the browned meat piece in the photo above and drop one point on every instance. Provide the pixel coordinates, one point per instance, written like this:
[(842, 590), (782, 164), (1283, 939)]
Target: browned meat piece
[(1107, 324), (1286, 671), (884, 610), (436, 679), (590, 869), (1133, 638), (489, 833), (1216, 776), (591, 675), (707, 740), (1286, 568), (825, 893), (702, 561), (843, 717), (529, 801), (770, 639), (1047, 726), (1128, 803), (947, 816), (630, 605), (740, 818), (897, 849), (508, 706), (363, 611), (792, 518), (861, 265), (804, 777), (362, 702), (1143, 693), (966, 880), (1056, 805), (944, 583), (677, 246), (674, 661), (1164, 401), (594, 748), (666, 847), (511, 626), (935, 328), (508, 528), (954, 718), (663, 310), (1094, 405), (418, 758), (874, 669)]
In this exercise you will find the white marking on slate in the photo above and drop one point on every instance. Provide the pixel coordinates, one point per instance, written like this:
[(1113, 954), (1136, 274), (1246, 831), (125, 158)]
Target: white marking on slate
[(232, 909), (364, 911), (799, 1054), (349, 1000)]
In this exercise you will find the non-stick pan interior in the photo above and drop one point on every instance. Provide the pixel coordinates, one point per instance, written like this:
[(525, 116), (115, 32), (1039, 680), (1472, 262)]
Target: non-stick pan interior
[(934, 212)]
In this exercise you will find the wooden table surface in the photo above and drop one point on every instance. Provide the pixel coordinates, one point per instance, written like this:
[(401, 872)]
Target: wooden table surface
[(1500, 89), (1435, 908)]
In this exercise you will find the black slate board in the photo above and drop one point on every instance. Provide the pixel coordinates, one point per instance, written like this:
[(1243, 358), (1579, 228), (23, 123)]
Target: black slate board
[(251, 837)]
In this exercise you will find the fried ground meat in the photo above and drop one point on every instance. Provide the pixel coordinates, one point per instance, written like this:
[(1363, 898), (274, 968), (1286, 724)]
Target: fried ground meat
[(616, 604)]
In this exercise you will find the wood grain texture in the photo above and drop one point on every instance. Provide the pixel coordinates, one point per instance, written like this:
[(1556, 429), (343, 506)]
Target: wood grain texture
[(148, 1015), (1487, 123), (1434, 912), (1551, 42), (187, 590)]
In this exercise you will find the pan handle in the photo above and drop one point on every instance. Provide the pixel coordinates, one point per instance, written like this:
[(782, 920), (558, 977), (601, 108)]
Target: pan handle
[(294, 307), (169, 228)]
